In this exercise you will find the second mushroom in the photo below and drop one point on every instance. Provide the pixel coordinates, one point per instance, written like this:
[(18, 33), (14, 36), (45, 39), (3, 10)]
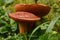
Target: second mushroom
[(25, 20)]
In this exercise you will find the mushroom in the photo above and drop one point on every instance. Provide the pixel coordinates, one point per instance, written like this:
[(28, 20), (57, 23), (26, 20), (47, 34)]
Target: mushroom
[(25, 20), (28, 14), (37, 9)]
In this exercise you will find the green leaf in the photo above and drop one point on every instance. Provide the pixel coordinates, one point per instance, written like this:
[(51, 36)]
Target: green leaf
[(44, 37), (51, 25), (8, 1), (3, 30), (36, 30), (14, 27), (44, 26), (2, 2), (48, 36)]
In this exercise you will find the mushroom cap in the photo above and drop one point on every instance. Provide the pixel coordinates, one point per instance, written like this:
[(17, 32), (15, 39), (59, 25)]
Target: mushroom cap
[(24, 17), (38, 9)]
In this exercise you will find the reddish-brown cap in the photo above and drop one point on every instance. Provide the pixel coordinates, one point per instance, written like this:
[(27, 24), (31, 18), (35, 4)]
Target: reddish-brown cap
[(38, 9), (24, 17)]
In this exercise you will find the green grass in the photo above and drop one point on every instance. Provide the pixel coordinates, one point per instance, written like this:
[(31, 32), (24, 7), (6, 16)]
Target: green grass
[(48, 28)]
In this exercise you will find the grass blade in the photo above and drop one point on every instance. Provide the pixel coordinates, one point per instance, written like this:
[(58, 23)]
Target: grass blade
[(51, 25)]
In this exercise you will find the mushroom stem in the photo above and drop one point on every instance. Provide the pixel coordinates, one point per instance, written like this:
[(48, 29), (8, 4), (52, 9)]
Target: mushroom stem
[(25, 27), (22, 28), (36, 1), (31, 26)]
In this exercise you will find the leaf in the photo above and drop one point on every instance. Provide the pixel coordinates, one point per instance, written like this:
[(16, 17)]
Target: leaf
[(51, 25), (54, 38), (3, 30), (36, 30), (8, 1), (2, 2), (44, 26), (2, 23), (48, 36), (44, 37), (14, 27)]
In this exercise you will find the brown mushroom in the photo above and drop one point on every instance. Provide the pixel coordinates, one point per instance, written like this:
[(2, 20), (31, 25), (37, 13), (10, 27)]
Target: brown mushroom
[(38, 9), (27, 14), (25, 20)]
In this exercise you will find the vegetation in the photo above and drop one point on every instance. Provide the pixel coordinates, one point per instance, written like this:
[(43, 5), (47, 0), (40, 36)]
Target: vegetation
[(48, 28)]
